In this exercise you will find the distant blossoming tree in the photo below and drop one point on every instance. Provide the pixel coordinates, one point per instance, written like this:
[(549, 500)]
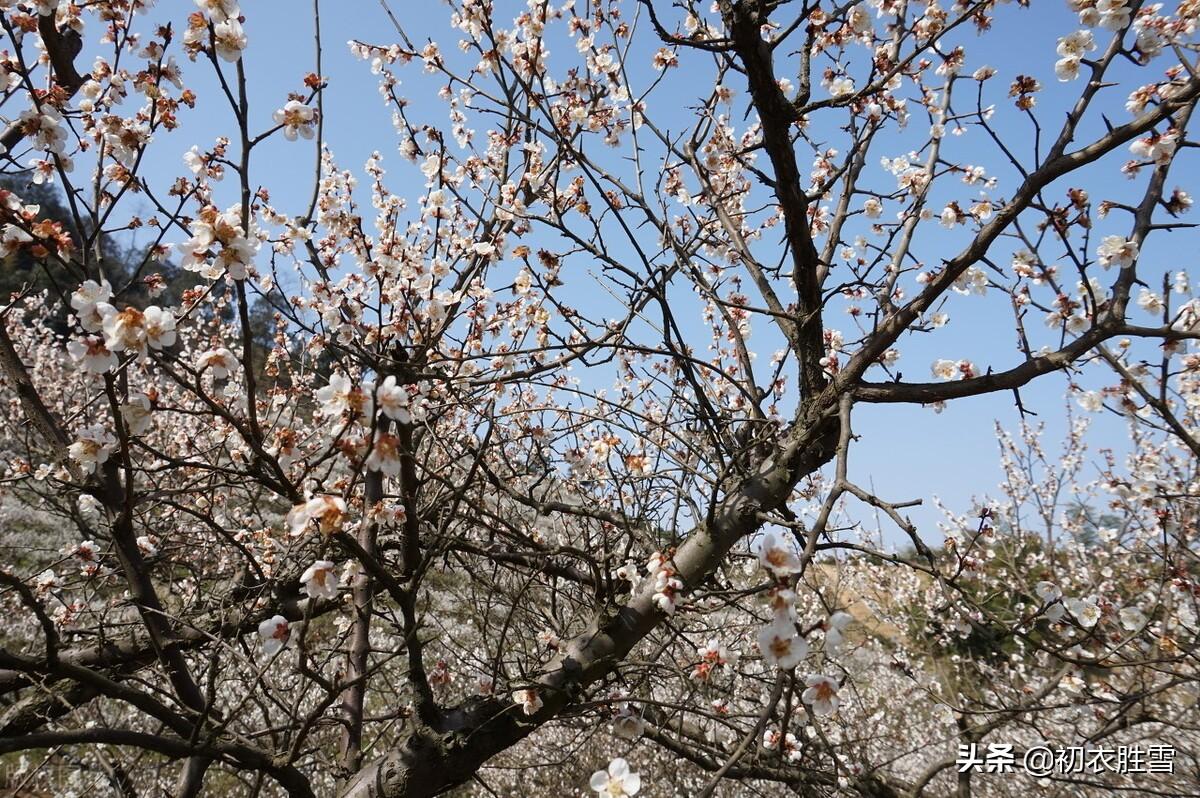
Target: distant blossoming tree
[(535, 478)]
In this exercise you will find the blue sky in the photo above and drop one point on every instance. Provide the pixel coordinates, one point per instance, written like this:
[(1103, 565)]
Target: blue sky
[(905, 452)]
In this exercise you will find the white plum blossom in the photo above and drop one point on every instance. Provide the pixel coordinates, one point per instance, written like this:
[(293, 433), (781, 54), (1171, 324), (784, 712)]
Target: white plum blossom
[(628, 724), (296, 119), (821, 693), (136, 413), (528, 699), (219, 10), (320, 580), (1071, 49), (834, 628), (841, 86), (274, 633), (781, 645), (194, 160), (777, 556), (385, 455), (91, 353), (1117, 251), (953, 369), (1086, 611), (859, 19), (88, 554), (159, 324), (87, 302), (220, 363), (401, 404), (1132, 619), (1067, 68), (615, 781), (229, 39), (1048, 591), (1151, 302), (46, 581), (538, 350), (92, 447), (667, 586), (342, 397), (329, 513), (147, 545), (219, 244), (133, 330), (44, 127), (1113, 14), (123, 330), (786, 744), (713, 654), (12, 238), (1157, 148), (628, 573)]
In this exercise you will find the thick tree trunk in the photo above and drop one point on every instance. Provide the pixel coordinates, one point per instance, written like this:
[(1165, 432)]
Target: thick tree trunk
[(429, 761)]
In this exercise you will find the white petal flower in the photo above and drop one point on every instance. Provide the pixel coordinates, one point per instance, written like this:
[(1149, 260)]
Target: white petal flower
[(296, 119), (385, 455), (341, 397), (219, 10), (1118, 251), (1132, 619), (776, 556), (92, 354), (397, 403), (92, 447), (821, 694), (834, 629), (320, 580), (218, 362), (328, 511), (136, 413), (1085, 611), (85, 301), (229, 39), (529, 700), (1150, 302), (616, 781), (1067, 68), (274, 632), (781, 645), (1048, 591)]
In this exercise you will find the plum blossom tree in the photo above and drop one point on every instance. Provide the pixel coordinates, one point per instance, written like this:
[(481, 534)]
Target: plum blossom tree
[(541, 468)]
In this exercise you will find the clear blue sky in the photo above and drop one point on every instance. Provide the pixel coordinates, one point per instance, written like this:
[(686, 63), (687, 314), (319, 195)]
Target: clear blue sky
[(906, 452)]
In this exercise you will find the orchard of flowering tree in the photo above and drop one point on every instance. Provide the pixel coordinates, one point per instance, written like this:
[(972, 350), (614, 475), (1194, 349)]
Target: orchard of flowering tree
[(528, 427)]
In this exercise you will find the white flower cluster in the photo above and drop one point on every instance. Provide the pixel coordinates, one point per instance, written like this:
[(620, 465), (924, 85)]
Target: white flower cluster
[(228, 37), (219, 244), (667, 586), (616, 780), (779, 641), (1071, 49), (1117, 251), (297, 119), (126, 330)]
